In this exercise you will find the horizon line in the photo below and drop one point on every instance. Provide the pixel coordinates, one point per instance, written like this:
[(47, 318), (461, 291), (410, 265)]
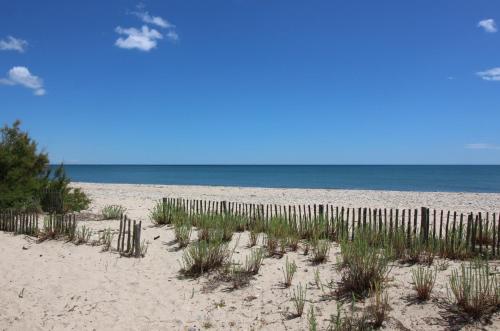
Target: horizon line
[(274, 164)]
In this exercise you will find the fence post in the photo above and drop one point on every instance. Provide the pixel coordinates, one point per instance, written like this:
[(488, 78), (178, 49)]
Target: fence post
[(423, 224)]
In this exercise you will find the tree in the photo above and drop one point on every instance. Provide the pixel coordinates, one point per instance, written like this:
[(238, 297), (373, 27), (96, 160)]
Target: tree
[(23, 170), (26, 179)]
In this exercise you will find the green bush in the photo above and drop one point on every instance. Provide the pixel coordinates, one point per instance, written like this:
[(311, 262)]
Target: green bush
[(23, 170), (204, 256), (364, 267), (423, 282), (475, 290), (112, 212), (166, 213), (182, 231), (26, 181)]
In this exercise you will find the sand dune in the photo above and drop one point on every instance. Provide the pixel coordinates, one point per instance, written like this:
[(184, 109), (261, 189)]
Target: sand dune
[(59, 286)]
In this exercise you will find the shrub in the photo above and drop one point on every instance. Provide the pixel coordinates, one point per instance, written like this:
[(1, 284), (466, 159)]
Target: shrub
[(252, 264), (25, 176), (352, 322), (240, 222), (157, 214), (75, 200), (363, 266), (293, 241), (254, 237), (70, 199), (238, 276), (106, 239), (271, 244), (379, 307), (166, 213), (320, 250), (112, 212), (299, 299), (182, 234), (226, 224), (423, 282), (83, 235), (23, 170), (474, 290), (204, 256), (418, 252), (215, 227), (288, 272)]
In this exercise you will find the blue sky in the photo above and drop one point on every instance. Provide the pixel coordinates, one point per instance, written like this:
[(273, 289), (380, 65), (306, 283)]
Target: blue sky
[(254, 82)]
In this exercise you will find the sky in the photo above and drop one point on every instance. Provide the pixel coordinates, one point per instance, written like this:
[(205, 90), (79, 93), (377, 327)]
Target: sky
[(254, 82)]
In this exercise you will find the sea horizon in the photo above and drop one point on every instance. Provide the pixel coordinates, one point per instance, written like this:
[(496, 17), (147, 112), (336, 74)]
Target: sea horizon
[(419, 178)]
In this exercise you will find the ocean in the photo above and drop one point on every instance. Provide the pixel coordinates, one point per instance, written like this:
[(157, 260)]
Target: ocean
[(423, 178)]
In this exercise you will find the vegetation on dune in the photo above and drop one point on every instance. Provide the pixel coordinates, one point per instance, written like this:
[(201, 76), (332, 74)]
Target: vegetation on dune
[(164, 213), (423, 281), (288, 272), (364, 266), (204, 256), (474, 289), (112, 212), (26, 181)]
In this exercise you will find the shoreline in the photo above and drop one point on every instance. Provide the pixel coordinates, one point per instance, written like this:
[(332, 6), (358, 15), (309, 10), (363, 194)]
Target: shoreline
[(145, 195)]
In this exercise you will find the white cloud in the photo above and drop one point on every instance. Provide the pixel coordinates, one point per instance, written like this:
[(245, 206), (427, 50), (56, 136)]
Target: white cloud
[(13, 44), (144, 39), (22, 76), (155, 20), (490, 74), (488, 25), (482, 146)]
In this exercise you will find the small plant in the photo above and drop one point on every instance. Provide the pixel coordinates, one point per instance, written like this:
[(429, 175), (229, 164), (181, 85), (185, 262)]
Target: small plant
[(379, 307), (238, 276), (254, 237), (288, 272), (311, 318), (252, 264), (112, 212), (352, 322), (271, 244), (474, 290), (166, 213), (363, 266), (293, 241), (320, 250), (317, 279), (240, 222), (418, 252), (182, 231), (105, 239), (423, 282), (204, 256), (299, 299), (83, 235)]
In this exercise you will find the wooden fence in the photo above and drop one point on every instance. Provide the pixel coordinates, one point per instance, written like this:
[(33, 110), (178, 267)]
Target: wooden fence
[(129, 238), (476, 232), (60, 225), (19, 223)]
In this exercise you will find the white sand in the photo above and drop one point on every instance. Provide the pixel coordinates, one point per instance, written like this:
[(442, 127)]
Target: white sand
[(56, 285)]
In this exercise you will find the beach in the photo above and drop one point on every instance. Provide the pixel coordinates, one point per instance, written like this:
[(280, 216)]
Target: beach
[(58, 286)]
